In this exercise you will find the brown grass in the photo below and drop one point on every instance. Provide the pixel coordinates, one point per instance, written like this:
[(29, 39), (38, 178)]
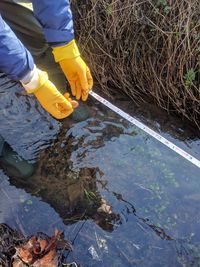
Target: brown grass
[(144, 48)]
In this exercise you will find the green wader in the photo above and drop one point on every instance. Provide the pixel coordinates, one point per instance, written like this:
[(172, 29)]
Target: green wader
[(23, 23), (26, 27), (12, 163)]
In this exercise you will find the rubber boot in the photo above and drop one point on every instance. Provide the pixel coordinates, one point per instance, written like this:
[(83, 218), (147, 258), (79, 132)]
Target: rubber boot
[(12, 163)]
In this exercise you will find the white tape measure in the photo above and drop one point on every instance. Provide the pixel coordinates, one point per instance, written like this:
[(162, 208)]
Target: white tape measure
[(145, 128)]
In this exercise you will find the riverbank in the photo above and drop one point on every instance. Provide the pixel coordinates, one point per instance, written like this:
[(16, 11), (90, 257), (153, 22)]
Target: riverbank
[(147, 49)]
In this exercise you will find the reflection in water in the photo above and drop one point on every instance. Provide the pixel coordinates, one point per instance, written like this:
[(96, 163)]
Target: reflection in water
[(72, 191), (23, 123), (101, 169), (129, 209)]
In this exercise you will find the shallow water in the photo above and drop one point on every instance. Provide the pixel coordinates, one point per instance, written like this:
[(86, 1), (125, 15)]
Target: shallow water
[(154, 193)]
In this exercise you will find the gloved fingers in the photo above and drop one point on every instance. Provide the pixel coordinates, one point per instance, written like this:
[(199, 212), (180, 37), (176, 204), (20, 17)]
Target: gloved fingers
[(90, 85), (78, 90), (64, 103), (67, 96), (63, 115), (62, 112), (82, 75), (84, 96), (72, 84), (73, 102), (58, 114), (89, 78), (63, 108), (52, 100), (58, 111)]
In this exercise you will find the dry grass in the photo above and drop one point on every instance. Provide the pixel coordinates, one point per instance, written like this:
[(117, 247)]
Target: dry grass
[(144, 48)]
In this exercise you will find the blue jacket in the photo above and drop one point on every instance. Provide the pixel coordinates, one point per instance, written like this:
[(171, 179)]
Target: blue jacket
[(56, 19)]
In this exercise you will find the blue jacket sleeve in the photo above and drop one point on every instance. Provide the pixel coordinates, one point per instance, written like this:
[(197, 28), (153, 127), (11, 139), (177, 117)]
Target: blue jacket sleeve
[(56, 19), (15, 60)]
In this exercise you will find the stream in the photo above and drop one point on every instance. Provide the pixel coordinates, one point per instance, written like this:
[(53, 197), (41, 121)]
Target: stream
[(120, 196)]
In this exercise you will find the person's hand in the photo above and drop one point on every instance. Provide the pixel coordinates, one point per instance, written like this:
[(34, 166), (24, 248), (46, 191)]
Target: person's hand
[(73, 102), (78, 76), (75, 69), (49, 97)]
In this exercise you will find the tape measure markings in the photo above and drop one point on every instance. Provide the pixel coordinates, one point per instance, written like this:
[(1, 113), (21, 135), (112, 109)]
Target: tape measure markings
[(146, 129)]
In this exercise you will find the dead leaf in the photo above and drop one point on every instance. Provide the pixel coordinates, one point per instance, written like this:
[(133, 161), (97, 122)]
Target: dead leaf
[(37, 252)]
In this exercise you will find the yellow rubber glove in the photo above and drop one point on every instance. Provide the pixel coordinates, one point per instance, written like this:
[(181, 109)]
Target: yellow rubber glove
[(73, 102), (75, 69), (49, 97)]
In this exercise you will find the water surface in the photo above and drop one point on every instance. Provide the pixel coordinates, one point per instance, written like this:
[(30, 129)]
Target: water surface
[(96, 155)]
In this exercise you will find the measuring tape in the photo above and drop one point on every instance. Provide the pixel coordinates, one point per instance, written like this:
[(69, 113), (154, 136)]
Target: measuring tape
[(143, 127)]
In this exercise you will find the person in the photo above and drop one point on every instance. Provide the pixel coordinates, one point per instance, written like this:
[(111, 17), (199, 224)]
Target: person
[(55, 18), (26, 40)]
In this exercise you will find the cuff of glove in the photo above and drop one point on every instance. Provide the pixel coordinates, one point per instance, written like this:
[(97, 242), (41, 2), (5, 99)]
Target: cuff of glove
[(36, 79), (68, 51)]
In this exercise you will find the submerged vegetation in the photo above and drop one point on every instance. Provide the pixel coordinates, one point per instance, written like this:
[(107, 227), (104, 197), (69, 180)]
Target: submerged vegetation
[(144, 48)]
